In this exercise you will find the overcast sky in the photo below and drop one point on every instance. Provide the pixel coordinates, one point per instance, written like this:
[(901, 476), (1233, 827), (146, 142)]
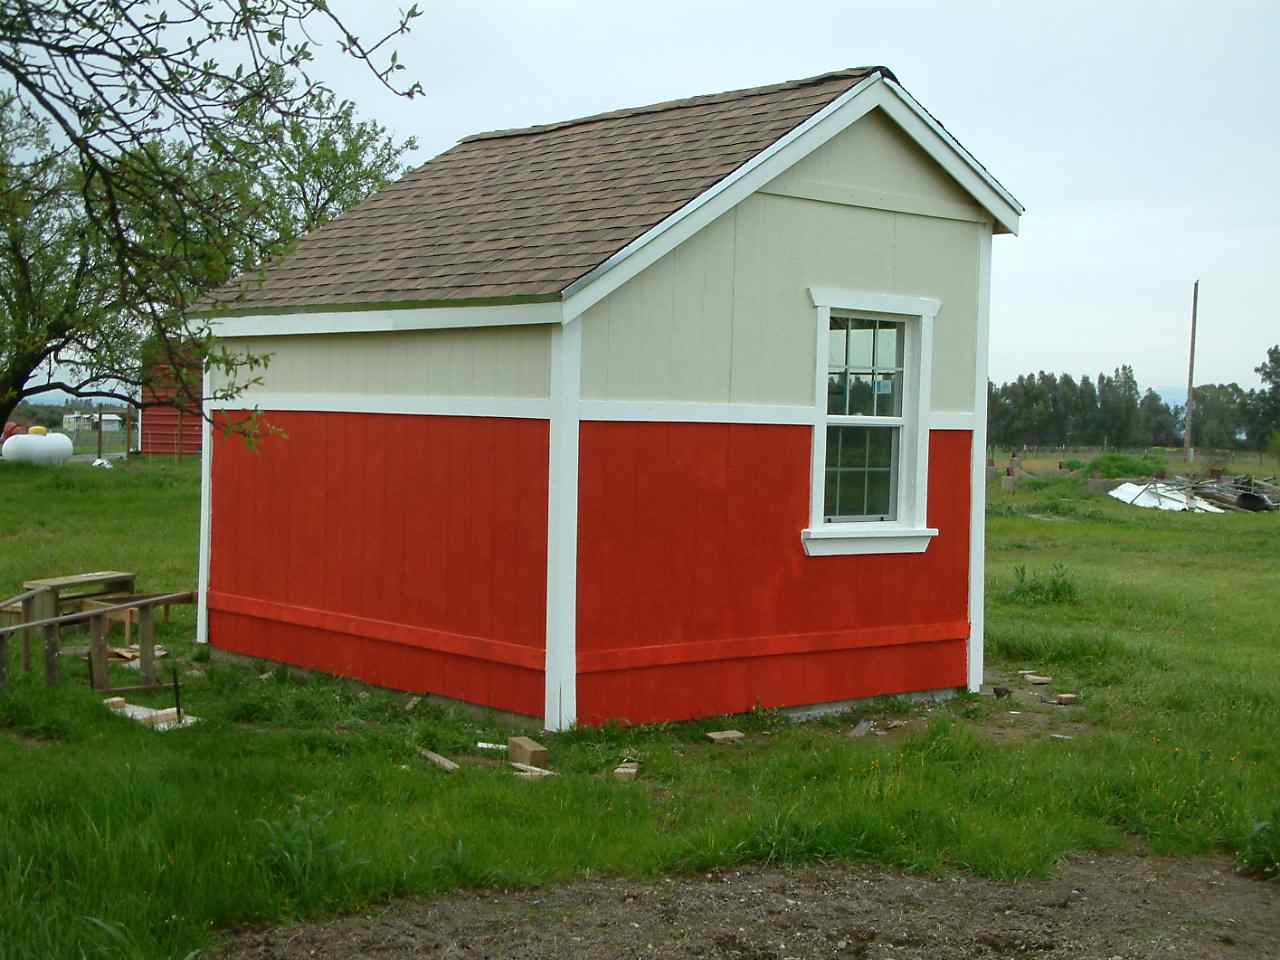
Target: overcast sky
[(1143, 138)]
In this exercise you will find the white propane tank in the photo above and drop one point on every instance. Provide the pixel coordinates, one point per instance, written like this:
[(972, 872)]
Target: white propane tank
[(51, 449)]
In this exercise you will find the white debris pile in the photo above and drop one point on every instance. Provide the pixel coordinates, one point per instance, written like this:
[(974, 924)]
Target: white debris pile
[(1162, 496), (164, 719)]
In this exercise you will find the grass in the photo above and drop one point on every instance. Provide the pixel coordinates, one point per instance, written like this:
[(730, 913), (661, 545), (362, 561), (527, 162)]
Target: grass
[(296, 800)]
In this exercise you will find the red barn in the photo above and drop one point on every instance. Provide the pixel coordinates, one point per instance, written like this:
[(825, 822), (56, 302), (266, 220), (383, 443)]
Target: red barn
[(657, 414)]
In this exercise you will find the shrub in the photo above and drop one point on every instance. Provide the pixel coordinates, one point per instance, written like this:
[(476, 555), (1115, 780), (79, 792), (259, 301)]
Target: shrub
[(1112, 465), (1055, 586), (1075, 463)]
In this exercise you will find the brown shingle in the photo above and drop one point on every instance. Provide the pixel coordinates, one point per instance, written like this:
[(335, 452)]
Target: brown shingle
[(524, 213)]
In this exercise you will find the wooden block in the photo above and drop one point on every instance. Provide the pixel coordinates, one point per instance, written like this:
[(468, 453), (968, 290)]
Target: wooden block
[(1038, 680), (443, 763), (114, 703), (1066, 699), (529, 770), (161, 717), (724, 736), (524, 750), (626, 771)]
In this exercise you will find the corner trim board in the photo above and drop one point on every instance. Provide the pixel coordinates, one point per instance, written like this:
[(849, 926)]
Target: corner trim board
[(206, 515), (561, 695), (978, 480)]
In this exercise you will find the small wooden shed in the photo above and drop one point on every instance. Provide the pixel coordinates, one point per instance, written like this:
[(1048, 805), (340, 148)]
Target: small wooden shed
[(656, 414), (170, 421)]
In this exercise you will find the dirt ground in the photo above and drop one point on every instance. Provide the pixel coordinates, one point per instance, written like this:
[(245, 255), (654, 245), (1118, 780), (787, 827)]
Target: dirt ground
[(1123, 907)]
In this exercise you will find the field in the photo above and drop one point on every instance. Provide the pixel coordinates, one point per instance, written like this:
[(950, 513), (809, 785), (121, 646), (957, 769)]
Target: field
[(292, 800)]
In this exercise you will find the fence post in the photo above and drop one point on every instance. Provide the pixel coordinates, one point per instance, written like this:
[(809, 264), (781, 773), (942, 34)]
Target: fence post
[(98, 652), (4, 661)]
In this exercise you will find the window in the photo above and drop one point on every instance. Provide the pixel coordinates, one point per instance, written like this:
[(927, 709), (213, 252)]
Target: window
[(864, 418), (870, 438)]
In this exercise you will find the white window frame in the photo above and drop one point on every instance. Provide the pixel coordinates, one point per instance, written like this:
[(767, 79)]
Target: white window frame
[(908, 532)]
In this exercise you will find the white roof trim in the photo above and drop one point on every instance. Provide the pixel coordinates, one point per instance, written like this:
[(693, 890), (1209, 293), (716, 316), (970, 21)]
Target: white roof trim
[(874, 91), (383, 321)]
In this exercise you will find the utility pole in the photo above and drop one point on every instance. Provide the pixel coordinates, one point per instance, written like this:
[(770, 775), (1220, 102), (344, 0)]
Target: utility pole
[(1188, 452)]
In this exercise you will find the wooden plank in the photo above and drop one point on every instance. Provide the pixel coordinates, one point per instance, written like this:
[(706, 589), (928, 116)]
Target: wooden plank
[(444, 763), (90, 615), (137, 688), (79, 579)]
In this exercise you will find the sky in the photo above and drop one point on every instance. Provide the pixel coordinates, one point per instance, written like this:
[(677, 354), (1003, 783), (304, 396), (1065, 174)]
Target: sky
[(1143, 138)]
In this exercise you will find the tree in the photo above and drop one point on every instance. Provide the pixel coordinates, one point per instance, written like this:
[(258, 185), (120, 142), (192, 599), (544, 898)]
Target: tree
[(170, 127)]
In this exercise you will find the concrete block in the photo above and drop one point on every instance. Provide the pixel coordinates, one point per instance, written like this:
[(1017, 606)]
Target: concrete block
[(724, 736), (626, 771), (525, 750)]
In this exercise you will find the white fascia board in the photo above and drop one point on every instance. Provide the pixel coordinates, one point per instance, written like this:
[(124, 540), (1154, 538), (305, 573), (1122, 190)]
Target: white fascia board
[(952, 420), (934, 138), (524, 408), (783, 153), (842, 112), (386, 321)]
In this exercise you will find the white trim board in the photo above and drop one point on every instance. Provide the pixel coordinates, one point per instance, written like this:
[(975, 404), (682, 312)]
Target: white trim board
[(525, 408), (384, 321), (872, 92), (206, 517), (978, 478), (560, 708), (654, 411)]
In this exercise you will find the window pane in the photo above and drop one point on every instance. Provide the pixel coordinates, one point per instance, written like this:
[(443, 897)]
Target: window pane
[(888, 394), (847, 446), (861, 341), (861, 398), (837, 401), (889, 342), (851, 499), (879, 493), (829, 498), (837, 343), (881, 444)]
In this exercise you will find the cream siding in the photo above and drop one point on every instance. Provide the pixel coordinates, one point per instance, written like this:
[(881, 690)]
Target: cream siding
[(487, 362), (726, 316)]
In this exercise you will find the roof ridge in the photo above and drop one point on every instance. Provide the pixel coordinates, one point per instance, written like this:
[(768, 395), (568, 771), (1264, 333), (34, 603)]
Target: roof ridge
[(696, 101)]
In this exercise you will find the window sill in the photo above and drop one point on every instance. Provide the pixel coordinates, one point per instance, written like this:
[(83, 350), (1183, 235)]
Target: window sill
[(855, 539)]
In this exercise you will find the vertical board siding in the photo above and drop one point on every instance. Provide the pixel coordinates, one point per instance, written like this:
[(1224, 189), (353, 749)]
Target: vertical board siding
[(417, 527), (165, 431), (690, 535)]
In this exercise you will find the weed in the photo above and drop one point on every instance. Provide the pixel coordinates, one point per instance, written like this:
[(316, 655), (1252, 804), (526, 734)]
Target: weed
[(1055, 586), (1260, 851), (1111, 465)]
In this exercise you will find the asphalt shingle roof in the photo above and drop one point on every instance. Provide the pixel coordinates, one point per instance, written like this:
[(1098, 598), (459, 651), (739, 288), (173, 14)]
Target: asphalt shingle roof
[(524, 213)]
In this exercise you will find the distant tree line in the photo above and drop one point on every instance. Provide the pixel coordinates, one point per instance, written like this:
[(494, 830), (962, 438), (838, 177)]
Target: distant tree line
[(1046, 410)]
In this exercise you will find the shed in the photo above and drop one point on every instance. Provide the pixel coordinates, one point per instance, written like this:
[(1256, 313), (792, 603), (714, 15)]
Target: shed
[(170, 420), (656, 414)]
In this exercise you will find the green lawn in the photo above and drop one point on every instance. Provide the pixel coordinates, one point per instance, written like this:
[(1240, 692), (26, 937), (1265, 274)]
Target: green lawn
[(294, 800)]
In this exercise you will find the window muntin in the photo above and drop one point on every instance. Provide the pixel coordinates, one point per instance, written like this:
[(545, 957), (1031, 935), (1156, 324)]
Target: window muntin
[(865, 384)]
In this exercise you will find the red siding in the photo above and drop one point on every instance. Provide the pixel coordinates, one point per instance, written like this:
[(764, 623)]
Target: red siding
[(408, 551), (689, 551)]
